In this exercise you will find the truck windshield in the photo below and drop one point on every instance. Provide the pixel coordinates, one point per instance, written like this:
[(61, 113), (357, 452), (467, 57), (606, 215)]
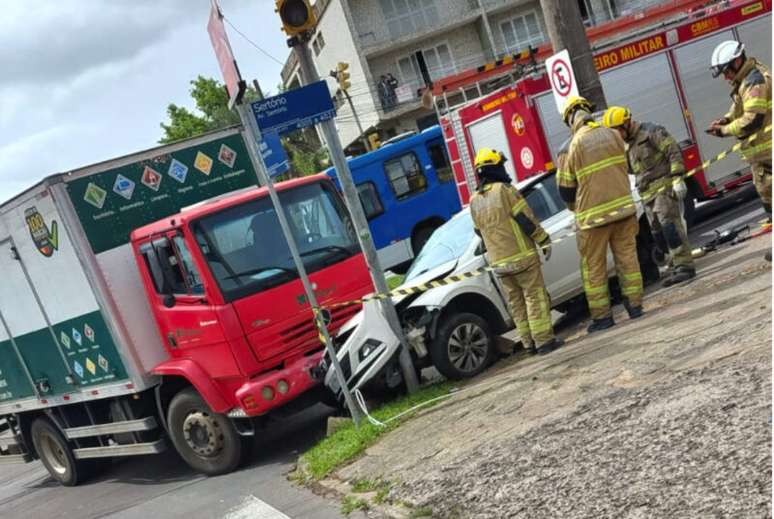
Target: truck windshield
[(247, 253)]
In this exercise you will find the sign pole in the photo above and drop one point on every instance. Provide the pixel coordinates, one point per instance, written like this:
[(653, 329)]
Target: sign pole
[(252, 138), (310, 75)]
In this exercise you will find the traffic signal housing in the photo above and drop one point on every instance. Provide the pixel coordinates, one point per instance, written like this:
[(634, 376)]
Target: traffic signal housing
[(297, 16), (342, 75)]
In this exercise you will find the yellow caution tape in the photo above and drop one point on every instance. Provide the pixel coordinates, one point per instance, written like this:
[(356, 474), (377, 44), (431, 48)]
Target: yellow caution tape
[(456, 278)]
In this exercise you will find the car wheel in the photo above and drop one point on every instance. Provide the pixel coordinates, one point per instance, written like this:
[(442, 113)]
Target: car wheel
[(463, 346), (207, 441), (56, 454), (646, 244), (689, 211)]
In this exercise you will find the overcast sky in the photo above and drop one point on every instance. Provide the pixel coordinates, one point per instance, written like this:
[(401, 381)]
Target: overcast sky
[(87, 80)]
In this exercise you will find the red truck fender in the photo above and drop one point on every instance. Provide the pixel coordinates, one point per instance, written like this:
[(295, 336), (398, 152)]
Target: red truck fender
[(198, 378)]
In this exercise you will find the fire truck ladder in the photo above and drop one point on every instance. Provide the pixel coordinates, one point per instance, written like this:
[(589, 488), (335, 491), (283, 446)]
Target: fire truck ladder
[(462, 149)]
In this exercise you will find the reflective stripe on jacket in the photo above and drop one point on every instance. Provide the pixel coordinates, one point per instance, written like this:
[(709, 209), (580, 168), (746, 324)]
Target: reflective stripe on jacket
[(751, 110), (495, 209), (654, 158), (594, 175)]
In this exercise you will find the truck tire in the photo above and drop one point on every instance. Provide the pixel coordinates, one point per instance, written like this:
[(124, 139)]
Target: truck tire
[(56, 454), (463, 346), (207, 441)]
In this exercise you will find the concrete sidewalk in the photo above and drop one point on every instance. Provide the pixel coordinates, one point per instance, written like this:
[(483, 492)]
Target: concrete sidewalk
[(665, 416)]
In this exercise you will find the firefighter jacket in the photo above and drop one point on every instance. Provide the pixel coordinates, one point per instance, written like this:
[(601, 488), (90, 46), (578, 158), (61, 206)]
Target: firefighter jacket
[(751, 110), (654, 159), (594, 175), (508, 227)]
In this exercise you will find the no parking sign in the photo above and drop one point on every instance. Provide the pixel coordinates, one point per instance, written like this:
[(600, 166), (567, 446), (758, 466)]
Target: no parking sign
[(562, 78)]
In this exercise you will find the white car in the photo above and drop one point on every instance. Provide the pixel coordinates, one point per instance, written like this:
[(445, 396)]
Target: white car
[(453, 326)]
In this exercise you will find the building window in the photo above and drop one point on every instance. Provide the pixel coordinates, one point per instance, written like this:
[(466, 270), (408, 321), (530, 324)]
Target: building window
[(369, 198), (405, 176), (409, 17), (521, 32), (438, 60), (318, 43)]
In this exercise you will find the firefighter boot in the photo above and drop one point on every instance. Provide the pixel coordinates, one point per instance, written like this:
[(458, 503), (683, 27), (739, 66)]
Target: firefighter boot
[(553, 344), (633, 311), (679, 274), (597, 325)]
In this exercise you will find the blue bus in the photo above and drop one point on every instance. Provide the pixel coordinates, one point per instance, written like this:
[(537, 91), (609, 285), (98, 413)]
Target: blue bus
[(407, 190)]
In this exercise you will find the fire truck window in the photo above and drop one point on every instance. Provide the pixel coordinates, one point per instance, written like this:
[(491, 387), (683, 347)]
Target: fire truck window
[(440, 161), (369, 197), (405, 176), (192, 278)]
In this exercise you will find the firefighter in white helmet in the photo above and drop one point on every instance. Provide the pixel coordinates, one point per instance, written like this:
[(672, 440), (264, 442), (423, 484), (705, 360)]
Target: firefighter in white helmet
[(593, 181), (511, 234), (657, 164), (750, 112)]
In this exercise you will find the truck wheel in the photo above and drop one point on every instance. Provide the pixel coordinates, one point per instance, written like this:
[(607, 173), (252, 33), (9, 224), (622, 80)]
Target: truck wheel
[(463, 347), (56, 454), (207, 441)]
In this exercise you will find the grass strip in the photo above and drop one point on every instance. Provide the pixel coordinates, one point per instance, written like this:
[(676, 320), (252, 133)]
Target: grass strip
[(349, 442)]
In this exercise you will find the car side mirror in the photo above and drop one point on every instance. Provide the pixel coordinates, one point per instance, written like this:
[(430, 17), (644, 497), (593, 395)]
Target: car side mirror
[(169, 301)]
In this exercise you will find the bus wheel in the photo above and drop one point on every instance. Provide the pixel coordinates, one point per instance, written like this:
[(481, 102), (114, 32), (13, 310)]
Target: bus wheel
[(55, 453), (207, 441)]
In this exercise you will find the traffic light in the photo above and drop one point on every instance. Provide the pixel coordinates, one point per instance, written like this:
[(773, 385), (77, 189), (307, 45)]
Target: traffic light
[(373, 140), (297, 16), (342, 75)]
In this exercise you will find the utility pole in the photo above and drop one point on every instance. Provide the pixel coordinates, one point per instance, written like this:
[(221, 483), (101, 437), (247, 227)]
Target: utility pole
[(309, 75), (357, 121), (566, 31)]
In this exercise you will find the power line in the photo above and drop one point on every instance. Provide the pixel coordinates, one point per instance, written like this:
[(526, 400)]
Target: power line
[(251, 42)]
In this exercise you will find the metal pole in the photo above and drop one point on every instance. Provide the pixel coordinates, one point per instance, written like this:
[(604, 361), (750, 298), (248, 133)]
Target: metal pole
[(309, 75), (251, 139)]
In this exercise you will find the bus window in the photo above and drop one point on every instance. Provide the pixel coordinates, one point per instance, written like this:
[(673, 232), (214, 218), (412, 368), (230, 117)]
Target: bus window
[(369, 197), (440, 161), (405, 175)]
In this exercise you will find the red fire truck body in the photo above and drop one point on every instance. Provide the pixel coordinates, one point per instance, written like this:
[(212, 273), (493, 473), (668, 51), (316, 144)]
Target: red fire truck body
[(662, 74)]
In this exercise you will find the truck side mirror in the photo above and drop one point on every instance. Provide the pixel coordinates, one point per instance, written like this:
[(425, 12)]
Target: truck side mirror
[(169, 300)]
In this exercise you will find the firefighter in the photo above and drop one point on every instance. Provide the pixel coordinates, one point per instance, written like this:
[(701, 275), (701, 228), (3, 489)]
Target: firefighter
[(657, 164), (594, 183), (510, 232), (750, 112)]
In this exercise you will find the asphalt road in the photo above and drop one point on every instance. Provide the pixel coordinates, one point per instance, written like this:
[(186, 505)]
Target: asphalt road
[(163, 486)]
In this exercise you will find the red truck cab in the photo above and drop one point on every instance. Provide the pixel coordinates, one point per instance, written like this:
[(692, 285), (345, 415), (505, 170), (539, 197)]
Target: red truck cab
[(228, 301)]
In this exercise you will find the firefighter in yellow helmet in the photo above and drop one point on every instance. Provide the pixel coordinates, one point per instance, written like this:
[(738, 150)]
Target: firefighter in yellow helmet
[(750, 112), (511, 234), (657, 164), (594, 183)]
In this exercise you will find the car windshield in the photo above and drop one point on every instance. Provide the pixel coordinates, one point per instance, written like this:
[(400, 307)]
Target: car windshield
[(448, 243), (247, 252)]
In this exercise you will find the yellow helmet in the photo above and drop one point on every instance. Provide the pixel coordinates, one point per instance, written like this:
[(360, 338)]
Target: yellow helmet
[(488, 157), (616, 116), (574, 103)]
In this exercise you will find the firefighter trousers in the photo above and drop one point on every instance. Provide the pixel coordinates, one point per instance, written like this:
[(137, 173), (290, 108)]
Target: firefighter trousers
[(529, 304), (665, 216), (621, 237), (761, 172)]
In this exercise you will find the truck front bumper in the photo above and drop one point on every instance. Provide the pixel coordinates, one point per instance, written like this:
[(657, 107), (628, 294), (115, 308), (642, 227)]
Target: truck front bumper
[(271, 390)]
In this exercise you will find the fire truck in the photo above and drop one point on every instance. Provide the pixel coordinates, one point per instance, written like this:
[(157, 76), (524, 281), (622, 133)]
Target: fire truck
[(659, 68)]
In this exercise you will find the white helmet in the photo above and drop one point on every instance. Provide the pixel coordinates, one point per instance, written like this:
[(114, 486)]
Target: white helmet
[(724, 54)]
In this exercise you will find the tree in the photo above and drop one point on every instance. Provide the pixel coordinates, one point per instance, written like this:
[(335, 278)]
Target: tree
[(211, 99)]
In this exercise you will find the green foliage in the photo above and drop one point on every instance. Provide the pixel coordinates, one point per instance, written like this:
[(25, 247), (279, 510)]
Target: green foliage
[(212, 113), (349, 504), (349, 441)]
